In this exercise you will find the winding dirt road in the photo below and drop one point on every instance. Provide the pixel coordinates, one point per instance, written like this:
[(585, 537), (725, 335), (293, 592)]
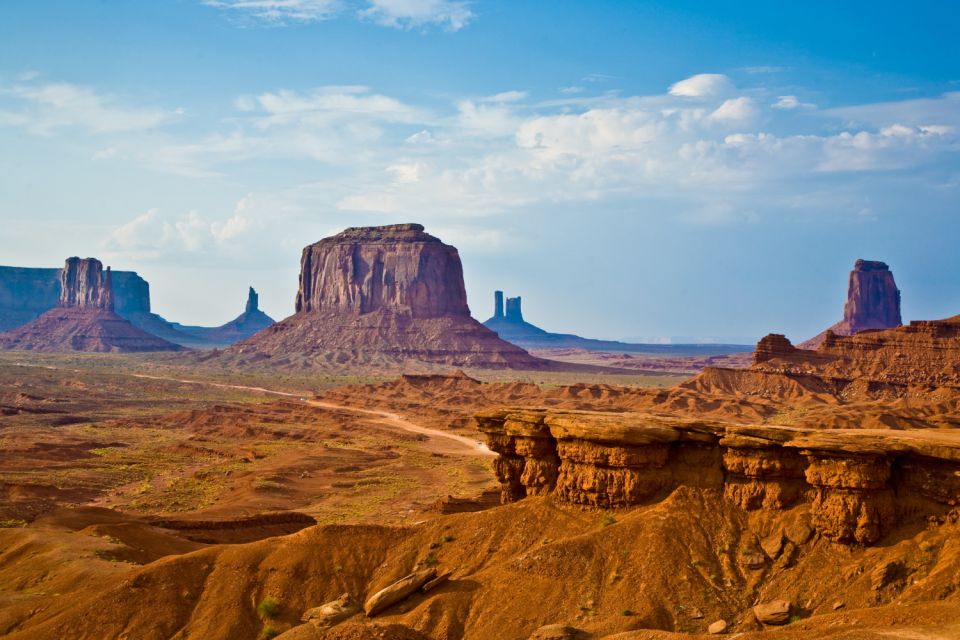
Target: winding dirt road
[(465, 444), (462, 445)]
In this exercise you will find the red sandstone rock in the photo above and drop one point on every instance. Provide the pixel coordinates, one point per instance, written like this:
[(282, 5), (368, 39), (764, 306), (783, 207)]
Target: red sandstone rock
[(85, 320), (397, 267), (383, 295), (873, 302)]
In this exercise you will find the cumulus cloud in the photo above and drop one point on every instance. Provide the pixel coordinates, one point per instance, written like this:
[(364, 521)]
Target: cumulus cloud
[(43, 108), (451, 15), (701, 145), (734, 110), (703, 85)]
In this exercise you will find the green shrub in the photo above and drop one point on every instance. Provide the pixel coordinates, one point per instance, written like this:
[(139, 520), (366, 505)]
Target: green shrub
[(627, 612), (269, 607)]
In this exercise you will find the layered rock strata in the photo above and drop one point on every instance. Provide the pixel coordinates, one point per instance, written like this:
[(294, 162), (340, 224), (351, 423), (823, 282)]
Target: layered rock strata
[(377, 295), (85, 319), (858, 485)]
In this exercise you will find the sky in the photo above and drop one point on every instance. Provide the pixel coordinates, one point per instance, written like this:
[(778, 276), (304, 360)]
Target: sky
[(632, 169)]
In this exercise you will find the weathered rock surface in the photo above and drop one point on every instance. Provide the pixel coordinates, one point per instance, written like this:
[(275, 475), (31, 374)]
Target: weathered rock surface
[(397, 267), (398, 591), (391, 294), (27, 293), (873, 302), (774, 612), (85, 319), (331, 613), (621, 459)]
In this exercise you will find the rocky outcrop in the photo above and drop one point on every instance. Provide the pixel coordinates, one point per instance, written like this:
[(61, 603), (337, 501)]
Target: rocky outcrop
[(873, 302), (247, 324), (508, 323), (383, 296), (857, 486), (27, 293), (771, 346), (84, 284), (398, 267), (85, 319)]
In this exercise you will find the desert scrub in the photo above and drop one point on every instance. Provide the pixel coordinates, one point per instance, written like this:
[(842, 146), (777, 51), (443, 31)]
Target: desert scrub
[(269, 607), (268, 632), (12, 523), (448, 538), (607, 519)]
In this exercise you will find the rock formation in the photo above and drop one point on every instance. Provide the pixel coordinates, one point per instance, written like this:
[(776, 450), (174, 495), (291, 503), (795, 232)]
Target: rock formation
[(26, 293), (508, 323), (85, 319), (250, 322), (371, 295), (873, 302), (847, 478)]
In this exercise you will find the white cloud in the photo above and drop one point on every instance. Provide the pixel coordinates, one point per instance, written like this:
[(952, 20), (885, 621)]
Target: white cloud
[(451, 15), (44, 108), (279, 11), (791, 102), (703, 85), (734, 110), (505, 96)]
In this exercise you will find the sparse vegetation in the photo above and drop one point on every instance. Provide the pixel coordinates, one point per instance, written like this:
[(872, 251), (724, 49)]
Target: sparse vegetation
[(627, 612), (431, 560), (12, 523), (268, 608), (448, 538), (607, 519), (268, 632)]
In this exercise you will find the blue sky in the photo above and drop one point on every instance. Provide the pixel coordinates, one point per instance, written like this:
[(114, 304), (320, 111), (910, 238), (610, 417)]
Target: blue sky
[(642, 169)]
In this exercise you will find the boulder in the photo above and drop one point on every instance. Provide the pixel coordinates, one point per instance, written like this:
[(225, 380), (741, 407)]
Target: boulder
[(331, 613), (774, 612), (398, 591), (718, 627)]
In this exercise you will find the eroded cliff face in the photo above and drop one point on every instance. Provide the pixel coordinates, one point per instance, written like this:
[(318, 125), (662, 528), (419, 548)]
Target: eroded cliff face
[(84, 319), (25, 293), (395, 267), (84, 284), (382, 296), (873, 302), (858, 485)]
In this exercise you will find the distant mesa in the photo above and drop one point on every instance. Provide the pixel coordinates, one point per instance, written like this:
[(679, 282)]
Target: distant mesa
[(387, 294), (873, 302), (508, 323), (84, 319), (27, 293)]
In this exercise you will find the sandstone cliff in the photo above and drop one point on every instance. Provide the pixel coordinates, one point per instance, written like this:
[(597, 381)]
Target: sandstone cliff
[(847, 478), (396, 267), (26, 293), (382, 295), (873, 302), (85, 319)]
